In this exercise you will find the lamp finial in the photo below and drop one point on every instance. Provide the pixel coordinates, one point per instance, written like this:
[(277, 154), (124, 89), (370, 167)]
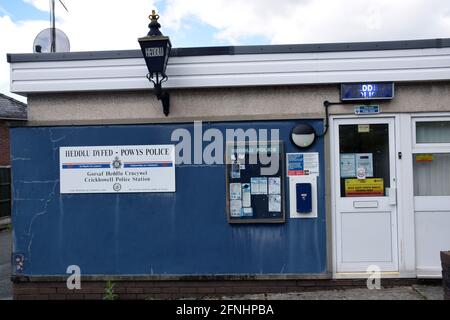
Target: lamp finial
[(154, 24), (154, 16)]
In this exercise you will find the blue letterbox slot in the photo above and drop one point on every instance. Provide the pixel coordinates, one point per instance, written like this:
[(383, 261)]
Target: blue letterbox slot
[(304, 197)]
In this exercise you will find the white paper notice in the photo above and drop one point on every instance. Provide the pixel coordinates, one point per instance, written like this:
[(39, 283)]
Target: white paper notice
[(246, 195), (254, 185), (274, 203), (311, 162), (235, 191), (263, 185), (365, 161), (348, 165), (247, 212), (274, 185), (301, 164), (235, 208), (258, 185)]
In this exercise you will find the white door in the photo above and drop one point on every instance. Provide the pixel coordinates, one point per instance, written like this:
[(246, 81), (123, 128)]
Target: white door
[(365, 218)]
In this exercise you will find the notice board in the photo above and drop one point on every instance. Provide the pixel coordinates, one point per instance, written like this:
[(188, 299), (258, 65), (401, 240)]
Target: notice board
[(255, 182)]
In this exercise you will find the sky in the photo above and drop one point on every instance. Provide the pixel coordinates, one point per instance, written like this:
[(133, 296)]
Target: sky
[(114, 24)]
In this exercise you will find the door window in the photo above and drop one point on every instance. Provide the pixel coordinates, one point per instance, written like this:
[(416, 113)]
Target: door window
[(431, 174), (364, 160), (433, 132), (431, 158)]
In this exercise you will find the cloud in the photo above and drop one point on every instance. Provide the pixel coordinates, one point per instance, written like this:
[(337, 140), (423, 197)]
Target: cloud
[(101, 24), (4, 12), (42, 5), (90, 25), (312, 21), (15, 37), (114, 25)]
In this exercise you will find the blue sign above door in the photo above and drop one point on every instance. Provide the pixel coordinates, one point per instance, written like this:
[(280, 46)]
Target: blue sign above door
[(369, 109), (367, 91)]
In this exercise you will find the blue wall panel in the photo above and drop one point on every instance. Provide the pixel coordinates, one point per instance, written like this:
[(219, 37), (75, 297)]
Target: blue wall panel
[(182, 233)]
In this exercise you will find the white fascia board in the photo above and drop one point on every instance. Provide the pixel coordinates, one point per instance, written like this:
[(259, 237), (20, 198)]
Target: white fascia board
[(234, 70)]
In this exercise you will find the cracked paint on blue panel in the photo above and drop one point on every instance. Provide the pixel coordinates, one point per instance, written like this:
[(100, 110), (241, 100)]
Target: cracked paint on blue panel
[(181, 233)]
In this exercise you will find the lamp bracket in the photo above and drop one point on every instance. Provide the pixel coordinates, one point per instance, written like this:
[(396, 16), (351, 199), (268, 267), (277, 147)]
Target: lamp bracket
[(157, 79)]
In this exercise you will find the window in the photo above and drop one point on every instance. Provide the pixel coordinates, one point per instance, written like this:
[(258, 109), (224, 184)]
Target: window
[(5, 192), (431, 174), (364, 147), (433, 132), (431, 158)]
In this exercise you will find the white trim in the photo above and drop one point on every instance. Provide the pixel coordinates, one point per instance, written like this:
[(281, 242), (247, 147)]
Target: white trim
[(429, 147), (405, 203), (353, 116), (431, 203), (384, 275), (429, 273), (333, 198), (234, 70)]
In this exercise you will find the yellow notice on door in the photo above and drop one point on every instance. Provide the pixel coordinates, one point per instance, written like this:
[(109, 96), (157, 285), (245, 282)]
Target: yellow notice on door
[(373, 187)]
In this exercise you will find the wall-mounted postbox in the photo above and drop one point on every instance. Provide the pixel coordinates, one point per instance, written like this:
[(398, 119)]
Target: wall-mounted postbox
[(303, 196), (304, 199)]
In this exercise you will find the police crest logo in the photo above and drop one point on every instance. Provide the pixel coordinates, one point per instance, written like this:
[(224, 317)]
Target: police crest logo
[(116, 164)]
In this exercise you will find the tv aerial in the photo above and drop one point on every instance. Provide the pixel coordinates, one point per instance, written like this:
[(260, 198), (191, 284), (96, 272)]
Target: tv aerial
[(52, 39)]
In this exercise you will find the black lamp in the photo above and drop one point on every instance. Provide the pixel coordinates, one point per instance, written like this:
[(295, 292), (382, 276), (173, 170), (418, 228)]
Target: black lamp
[(156, 49)]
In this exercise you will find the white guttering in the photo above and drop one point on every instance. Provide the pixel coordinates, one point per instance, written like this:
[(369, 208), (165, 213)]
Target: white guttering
[(429, 64)]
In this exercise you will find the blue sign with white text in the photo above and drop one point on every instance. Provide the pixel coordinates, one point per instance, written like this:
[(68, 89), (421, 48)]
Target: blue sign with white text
[(373, 109), (367, 91), (295, 162)]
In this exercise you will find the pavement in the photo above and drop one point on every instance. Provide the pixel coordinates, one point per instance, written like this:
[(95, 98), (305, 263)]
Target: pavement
[(415, 292), (5, 265)]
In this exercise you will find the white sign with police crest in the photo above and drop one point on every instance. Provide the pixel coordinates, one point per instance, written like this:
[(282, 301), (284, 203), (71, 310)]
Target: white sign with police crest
[(113, 169)]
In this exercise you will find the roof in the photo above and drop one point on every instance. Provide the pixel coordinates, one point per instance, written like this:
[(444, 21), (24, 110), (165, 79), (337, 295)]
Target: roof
[(237, 50), (12, 109)]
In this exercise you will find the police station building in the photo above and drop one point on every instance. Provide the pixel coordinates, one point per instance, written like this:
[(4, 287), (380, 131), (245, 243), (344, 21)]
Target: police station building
[(154, 188)]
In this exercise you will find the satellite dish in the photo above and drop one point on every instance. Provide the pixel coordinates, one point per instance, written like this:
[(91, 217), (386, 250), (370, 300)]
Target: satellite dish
[(43, 41)]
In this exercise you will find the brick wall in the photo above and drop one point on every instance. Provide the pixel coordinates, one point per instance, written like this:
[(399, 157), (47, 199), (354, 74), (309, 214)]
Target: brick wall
[(140, 290), (4, 144)]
